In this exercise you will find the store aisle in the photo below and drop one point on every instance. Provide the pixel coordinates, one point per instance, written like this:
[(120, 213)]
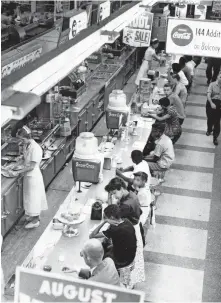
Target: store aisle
[(182, 254)]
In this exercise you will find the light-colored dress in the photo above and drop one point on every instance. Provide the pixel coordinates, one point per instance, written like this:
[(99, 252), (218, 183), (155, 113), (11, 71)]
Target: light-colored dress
[(34, 196), (138, 273), (146, 64)]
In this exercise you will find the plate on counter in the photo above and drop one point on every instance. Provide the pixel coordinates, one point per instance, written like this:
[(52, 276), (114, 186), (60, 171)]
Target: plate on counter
[(78, 221), (52, 148)]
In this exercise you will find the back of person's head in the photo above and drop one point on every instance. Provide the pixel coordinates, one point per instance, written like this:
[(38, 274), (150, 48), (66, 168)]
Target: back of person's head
[(24, 132), (112, 212), (176, 67), (154, 42), (165, 102), (137, 156), (158, 128), (176, 76), (167, 85), (182, 62), (115, 184), (188, 58), (93, 252), (143, 176)]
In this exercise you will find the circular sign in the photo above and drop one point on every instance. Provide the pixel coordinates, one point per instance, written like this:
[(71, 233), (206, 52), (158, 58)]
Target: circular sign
[(182, 35)]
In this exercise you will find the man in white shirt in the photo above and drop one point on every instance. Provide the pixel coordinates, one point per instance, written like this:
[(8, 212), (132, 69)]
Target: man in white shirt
[(177, 70), (139, 165), (163, 155)]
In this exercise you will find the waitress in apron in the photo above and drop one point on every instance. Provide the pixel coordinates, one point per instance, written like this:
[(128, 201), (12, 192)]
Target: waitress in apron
[(34, 197), (146, 65)]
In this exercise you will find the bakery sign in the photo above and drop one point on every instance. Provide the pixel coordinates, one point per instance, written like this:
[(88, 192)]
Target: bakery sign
[(77, 23), (194, 37), (138, 32), (19, 63), (39, 286)]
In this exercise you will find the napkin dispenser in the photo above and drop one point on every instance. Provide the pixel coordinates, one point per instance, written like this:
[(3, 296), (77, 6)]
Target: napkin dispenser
[(96, 211), (86, 170)]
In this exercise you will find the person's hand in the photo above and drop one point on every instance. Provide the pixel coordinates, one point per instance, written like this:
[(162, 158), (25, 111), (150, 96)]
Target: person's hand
[(213, 106), (121, 169), (68, 270)]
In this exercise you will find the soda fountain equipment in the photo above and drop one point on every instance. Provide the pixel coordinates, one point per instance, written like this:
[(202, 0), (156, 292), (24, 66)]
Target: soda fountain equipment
[(87, 161)]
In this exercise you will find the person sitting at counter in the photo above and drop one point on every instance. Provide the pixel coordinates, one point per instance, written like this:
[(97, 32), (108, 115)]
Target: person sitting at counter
[(34, 197), (122, 235), (163, 156), (178, 88), (175, 101), (187, 71), (101, 270), (130, 209), (139, 165), (177, 69)]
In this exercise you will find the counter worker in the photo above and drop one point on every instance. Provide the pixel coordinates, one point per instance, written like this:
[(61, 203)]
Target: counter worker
[(146, 65), (34, 197), (213, 109)]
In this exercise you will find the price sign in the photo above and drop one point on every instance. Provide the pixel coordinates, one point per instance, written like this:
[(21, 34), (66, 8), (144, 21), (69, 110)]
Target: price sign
[(39, 286), (77, 23)]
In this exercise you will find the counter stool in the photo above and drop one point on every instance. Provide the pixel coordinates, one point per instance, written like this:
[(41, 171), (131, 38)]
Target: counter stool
[(125, 275), (154, 186)]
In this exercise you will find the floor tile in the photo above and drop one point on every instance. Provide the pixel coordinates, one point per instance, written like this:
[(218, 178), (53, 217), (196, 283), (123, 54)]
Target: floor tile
[(196, 140), (189, 180), (196, 111), (183, 207), (197, 99), (177, 240), (195, 124), (172, 284), (194, 158)]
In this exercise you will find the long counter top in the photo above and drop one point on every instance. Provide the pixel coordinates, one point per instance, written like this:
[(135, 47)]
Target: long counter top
[(52, 248)]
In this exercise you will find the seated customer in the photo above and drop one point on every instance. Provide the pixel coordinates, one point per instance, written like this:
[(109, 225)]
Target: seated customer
[(101, 270), (177, 69), (178, 88), (143, 194), (175, 101), (163, 155), (122, 234), (139, 165), (169, 115)]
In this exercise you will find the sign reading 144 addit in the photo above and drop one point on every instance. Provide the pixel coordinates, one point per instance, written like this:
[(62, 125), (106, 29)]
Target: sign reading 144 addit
[(138, 32)]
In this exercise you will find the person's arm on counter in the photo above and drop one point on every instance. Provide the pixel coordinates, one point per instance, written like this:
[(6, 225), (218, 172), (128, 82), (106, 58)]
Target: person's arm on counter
[(96, 232), (165, 117), (151, 158), (209, 96), (127, 169), (27, 168), (120, 174), (82, 273)]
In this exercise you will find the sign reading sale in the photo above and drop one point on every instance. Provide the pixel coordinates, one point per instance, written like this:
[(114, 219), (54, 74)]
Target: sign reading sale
[(194, 37), (138, 32), (39, 287)]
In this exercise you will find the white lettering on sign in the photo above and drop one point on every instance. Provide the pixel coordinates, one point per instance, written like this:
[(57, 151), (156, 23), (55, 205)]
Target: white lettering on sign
[(116, 115), (84, 165), (141, 22), (12, 67), (182, 36)]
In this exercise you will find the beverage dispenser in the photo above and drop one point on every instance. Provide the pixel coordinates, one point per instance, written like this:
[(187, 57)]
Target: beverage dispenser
[(117, 110), (87, 162)]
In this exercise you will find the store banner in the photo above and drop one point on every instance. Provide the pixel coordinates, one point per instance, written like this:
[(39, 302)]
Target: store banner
[(138, 32), (19, 63), (39, 286), (194, 37), (104, 11), (77, 23)]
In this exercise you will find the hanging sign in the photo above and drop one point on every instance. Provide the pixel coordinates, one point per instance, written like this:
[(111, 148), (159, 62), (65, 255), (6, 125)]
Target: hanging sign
[(216, 6), (200, 12), (194, 37), (181, 11), (104, 10), (138, 32), (39, 286), (77, 23)]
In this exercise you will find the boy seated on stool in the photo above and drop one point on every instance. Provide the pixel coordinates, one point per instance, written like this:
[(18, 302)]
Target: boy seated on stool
[(144, 196), (163, 155)]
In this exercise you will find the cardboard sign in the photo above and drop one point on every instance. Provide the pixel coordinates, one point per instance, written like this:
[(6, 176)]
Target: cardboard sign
[(104, 11), (39, 286), (216, 6), (194, 37), (77, 23), (17, 64), (200, 12), (138, 33)]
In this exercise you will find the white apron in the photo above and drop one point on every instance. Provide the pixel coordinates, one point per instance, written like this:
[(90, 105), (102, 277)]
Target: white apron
[(34, 197), (145, 66)]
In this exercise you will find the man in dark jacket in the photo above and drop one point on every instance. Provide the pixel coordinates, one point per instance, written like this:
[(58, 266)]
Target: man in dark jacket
[(213, 69)]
